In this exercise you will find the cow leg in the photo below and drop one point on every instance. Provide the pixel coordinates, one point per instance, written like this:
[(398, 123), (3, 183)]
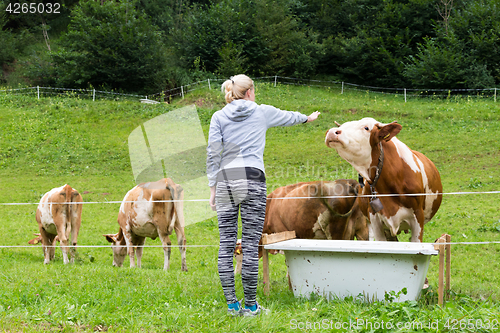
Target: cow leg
[(69, 250), (165, 241), (48, 240), (416, 226), (181, 241), (139, 242), (163, 232), (63, 238), (130, 247), (376, 229), (76, 219), (390, 237), (52, 249), (239, 261)]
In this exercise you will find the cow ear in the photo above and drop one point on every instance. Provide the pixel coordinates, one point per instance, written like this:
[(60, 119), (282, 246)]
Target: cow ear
[(110, 238), (387, 132)]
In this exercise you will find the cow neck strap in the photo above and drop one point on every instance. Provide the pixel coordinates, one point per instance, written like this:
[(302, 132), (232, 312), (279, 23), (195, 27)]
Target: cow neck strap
[(380, 165), (350, 211)]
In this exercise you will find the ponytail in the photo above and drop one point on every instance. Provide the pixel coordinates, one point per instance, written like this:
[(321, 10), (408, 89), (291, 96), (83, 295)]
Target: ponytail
[(236, 87)]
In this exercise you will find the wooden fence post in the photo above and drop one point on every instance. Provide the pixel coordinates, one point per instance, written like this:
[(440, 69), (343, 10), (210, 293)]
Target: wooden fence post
[(444, 248), (270, 239), (265, 270), (448, 264)]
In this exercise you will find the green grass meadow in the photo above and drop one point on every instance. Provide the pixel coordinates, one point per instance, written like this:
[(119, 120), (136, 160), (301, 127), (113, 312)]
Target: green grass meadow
[(48, 142)]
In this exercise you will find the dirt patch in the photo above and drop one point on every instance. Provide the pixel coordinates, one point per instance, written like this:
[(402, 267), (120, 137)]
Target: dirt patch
[(201, 102)]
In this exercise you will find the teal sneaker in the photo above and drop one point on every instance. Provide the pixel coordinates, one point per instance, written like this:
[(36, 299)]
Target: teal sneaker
[(247, 312), (235, 309)]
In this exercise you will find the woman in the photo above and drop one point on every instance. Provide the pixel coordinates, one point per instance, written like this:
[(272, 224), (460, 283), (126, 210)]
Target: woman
[(235, 169)]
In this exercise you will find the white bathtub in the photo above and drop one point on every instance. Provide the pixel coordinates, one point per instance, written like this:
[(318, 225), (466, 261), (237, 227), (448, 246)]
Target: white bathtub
[(335, 268)]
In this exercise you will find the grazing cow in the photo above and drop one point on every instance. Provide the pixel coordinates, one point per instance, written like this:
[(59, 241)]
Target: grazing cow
[(59, 214), (408, 182), (317, 210), (149, 210)]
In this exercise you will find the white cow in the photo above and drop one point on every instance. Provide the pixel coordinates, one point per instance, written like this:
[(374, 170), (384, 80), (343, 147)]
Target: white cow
[(59, 214), (149, 210)]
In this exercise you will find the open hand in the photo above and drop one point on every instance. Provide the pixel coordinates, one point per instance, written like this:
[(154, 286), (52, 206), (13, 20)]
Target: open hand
[(313, 116)]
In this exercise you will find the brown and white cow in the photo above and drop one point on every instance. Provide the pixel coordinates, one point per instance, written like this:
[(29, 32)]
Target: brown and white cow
[(314, 210), (403, 187), (59, 214), (151, 210), (317, 210)]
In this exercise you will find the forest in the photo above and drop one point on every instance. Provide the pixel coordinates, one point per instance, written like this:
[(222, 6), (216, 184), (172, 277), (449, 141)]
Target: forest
[(146, 46)]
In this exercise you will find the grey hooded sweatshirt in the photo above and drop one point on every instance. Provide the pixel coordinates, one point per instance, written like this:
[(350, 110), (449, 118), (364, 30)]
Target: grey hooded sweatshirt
[(237, 135)]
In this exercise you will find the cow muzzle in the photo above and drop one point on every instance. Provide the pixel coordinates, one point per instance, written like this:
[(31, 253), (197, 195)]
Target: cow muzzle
[(332, 137), (115, 264)]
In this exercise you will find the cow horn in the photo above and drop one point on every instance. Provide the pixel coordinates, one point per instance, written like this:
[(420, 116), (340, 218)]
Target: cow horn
[(336, 123)]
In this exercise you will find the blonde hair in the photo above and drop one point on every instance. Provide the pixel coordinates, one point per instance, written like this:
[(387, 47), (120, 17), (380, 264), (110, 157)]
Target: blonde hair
[(236, 87)]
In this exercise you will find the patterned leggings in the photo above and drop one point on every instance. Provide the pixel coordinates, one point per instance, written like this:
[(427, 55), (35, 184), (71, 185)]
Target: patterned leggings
[(250, 197)]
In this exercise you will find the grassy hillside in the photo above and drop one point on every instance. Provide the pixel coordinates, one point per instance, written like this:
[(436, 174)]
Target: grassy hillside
[(52, 141)]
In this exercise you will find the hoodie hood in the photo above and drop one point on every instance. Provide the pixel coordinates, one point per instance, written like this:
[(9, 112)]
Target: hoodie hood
[(239, 109)]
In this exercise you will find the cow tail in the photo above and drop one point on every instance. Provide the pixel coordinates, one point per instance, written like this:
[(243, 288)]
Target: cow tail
[(68, 190), (178, 197)]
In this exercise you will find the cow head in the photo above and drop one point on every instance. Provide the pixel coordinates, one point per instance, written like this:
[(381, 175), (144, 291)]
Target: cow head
[(355, 140), (119, 249)]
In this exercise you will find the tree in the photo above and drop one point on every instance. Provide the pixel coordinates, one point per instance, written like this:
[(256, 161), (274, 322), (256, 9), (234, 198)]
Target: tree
[(444, 9), (376, 38), (478, 27), (446, 64), (260, 37), (113, 46), (12, 42), (465, 52)]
